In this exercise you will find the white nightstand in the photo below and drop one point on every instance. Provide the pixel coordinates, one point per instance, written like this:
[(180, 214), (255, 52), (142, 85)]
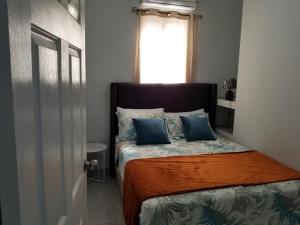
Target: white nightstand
[(100, 149)]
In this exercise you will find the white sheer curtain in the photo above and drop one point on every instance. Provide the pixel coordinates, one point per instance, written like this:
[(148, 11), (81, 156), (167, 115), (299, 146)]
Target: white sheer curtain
[(163, 47)]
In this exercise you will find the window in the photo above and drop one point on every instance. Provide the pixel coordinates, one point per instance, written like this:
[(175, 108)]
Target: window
[(163, 49)]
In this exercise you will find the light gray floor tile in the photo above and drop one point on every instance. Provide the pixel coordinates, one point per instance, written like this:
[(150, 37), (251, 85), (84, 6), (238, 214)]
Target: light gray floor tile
[(104, 203)]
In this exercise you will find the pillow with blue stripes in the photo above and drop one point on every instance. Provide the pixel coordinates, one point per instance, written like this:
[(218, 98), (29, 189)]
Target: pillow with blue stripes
[(174, 123), (125, 123)]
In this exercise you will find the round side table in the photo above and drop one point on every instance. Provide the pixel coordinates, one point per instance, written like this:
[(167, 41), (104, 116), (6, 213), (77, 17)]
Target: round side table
[(100, 149)]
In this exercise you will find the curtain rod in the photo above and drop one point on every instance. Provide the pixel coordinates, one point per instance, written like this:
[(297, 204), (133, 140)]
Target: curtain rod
[(136, 10)]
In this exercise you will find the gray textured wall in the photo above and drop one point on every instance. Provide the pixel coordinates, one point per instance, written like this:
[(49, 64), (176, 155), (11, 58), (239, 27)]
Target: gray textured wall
[(111, 38), (219, 41), (268, 105)]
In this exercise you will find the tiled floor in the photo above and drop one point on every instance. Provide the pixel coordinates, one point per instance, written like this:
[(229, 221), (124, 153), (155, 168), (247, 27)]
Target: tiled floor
[(104, 203)]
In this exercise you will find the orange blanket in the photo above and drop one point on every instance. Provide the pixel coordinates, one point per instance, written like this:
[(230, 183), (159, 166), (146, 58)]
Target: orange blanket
[(148, 178)]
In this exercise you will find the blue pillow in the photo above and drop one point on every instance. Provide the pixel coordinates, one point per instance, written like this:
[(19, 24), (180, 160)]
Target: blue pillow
[(151, 131), (197, 128)]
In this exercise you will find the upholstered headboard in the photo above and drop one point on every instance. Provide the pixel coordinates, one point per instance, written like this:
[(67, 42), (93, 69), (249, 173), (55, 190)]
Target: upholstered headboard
[(172, 97)]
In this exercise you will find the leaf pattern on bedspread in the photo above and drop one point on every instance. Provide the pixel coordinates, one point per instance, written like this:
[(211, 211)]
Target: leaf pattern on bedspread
[(287, 206), (253, 205), (270, 204), (128, 150)]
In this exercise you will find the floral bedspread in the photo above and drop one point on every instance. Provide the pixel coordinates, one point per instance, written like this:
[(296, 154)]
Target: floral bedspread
[(270, 204)]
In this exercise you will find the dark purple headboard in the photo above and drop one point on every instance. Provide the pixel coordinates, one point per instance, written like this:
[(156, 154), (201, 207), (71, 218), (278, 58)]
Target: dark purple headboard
[(172, 97)]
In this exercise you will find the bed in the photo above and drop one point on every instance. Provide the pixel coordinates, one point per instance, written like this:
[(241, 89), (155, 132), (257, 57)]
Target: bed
[(272, 204)]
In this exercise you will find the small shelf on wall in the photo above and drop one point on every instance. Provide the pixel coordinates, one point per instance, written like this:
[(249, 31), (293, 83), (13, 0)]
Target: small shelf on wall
[(225, 131), (225, 103), (225, 117)]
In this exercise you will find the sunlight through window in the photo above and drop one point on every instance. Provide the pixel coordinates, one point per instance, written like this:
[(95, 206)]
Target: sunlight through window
[(163, 50)]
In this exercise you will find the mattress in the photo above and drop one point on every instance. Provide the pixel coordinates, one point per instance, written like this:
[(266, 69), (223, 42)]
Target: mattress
[(273, 204)]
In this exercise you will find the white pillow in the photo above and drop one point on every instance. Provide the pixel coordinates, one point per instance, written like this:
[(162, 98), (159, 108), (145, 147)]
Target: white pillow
[(174, 124), (125, 123)]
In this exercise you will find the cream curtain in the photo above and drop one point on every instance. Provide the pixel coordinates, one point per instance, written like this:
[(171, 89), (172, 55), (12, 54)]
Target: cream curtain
[(192, 49), (165, 47), (137, 51)]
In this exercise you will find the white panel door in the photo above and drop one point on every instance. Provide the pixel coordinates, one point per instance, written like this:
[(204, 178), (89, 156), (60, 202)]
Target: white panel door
[(43, 65)]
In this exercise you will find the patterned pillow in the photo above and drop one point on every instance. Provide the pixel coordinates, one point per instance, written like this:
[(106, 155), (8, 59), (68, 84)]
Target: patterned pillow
[(125, 123), (174, 123)]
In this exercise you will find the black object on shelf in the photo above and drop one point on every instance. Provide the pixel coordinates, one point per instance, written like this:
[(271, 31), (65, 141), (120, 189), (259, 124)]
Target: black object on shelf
[(228, 85), (229, 95)]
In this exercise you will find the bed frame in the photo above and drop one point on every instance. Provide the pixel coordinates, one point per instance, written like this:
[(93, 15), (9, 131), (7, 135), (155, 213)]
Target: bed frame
[(172, 97)]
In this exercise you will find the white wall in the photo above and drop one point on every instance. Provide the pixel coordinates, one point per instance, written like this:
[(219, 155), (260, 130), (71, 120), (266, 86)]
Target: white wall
[(219, 41), (268, 104), (111, 38), (110, 45)]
